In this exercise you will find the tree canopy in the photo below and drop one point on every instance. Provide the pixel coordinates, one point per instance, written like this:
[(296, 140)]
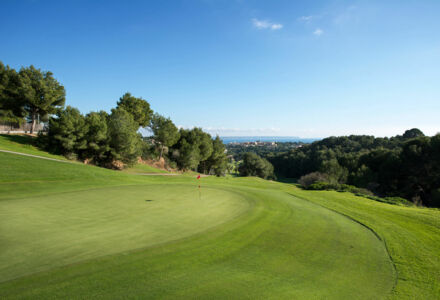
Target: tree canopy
[(217, 161), (254, 165), (124, 141), (97, 137), (413, 133), (406, 166), (40, 92), (165, 132), (67, 132), (137, 107), (11, 105)]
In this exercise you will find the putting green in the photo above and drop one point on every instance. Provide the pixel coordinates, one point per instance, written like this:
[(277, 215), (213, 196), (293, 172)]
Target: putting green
[(43, 232)]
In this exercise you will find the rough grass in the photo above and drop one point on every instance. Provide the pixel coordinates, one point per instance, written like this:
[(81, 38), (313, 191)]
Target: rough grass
[(90, 233), (143, 168)]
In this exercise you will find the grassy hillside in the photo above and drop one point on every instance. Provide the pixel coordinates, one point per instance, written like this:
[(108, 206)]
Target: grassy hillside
[(23, 144), (412, 236), (78, 231), (144, 169)]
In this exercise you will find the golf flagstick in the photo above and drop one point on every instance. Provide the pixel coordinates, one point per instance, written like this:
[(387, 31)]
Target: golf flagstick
[(200, 193)]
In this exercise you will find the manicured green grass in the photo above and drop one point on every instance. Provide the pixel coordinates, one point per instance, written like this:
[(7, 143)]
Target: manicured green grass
[(78, 231), (24, 144), (85, 224), (411, 234)]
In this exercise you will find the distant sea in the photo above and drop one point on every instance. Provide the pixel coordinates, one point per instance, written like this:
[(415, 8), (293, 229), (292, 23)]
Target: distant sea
[(243, 139)]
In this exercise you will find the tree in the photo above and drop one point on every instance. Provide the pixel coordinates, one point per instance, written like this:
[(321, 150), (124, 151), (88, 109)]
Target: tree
[(4, 79), (11, 105), (202, 143), (67, 132), (165, 132), (97, 138), (217, 161), (40, 92), (254, 165), (194, 147), (137, 107), (413, 133), (335, 172), (205, 147), (8, 117), (124, 141), (188, 157)]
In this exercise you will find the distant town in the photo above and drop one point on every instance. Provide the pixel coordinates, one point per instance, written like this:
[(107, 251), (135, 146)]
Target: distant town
[(237, 149), (266, 144), (253, 144)]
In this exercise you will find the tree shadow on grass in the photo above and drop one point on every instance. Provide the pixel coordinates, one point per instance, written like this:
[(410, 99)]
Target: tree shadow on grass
[(286, 180), (19, 139)]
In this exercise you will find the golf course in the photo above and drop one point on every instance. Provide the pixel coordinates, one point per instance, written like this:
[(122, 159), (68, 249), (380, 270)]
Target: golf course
[(69, 230)]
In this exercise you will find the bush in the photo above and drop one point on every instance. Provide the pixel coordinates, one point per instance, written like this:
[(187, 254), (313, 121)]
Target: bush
[(365, 192), (71, 156), (148, 151), (319, 186), (42, 141), (172, 164), (311, 178)]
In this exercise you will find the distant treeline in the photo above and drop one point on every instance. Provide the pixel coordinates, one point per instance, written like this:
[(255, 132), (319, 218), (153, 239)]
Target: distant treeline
[(406, 166), (106, 139)]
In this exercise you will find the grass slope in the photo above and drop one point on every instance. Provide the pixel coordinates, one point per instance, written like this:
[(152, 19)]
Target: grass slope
[(23, 144), (412, 236), (90, 233), (143, 168)]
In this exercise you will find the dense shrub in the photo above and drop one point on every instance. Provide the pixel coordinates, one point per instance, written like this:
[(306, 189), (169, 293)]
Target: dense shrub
[(67, 132), (311, 178)]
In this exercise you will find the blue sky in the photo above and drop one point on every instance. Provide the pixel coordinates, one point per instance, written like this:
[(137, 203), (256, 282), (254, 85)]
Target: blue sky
[(284, 68)]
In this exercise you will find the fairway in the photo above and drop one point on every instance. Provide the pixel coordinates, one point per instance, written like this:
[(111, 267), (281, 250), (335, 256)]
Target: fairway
[(77, 231)]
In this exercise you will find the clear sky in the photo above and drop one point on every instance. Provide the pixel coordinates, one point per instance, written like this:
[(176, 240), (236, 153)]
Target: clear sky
[(284, 68)]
